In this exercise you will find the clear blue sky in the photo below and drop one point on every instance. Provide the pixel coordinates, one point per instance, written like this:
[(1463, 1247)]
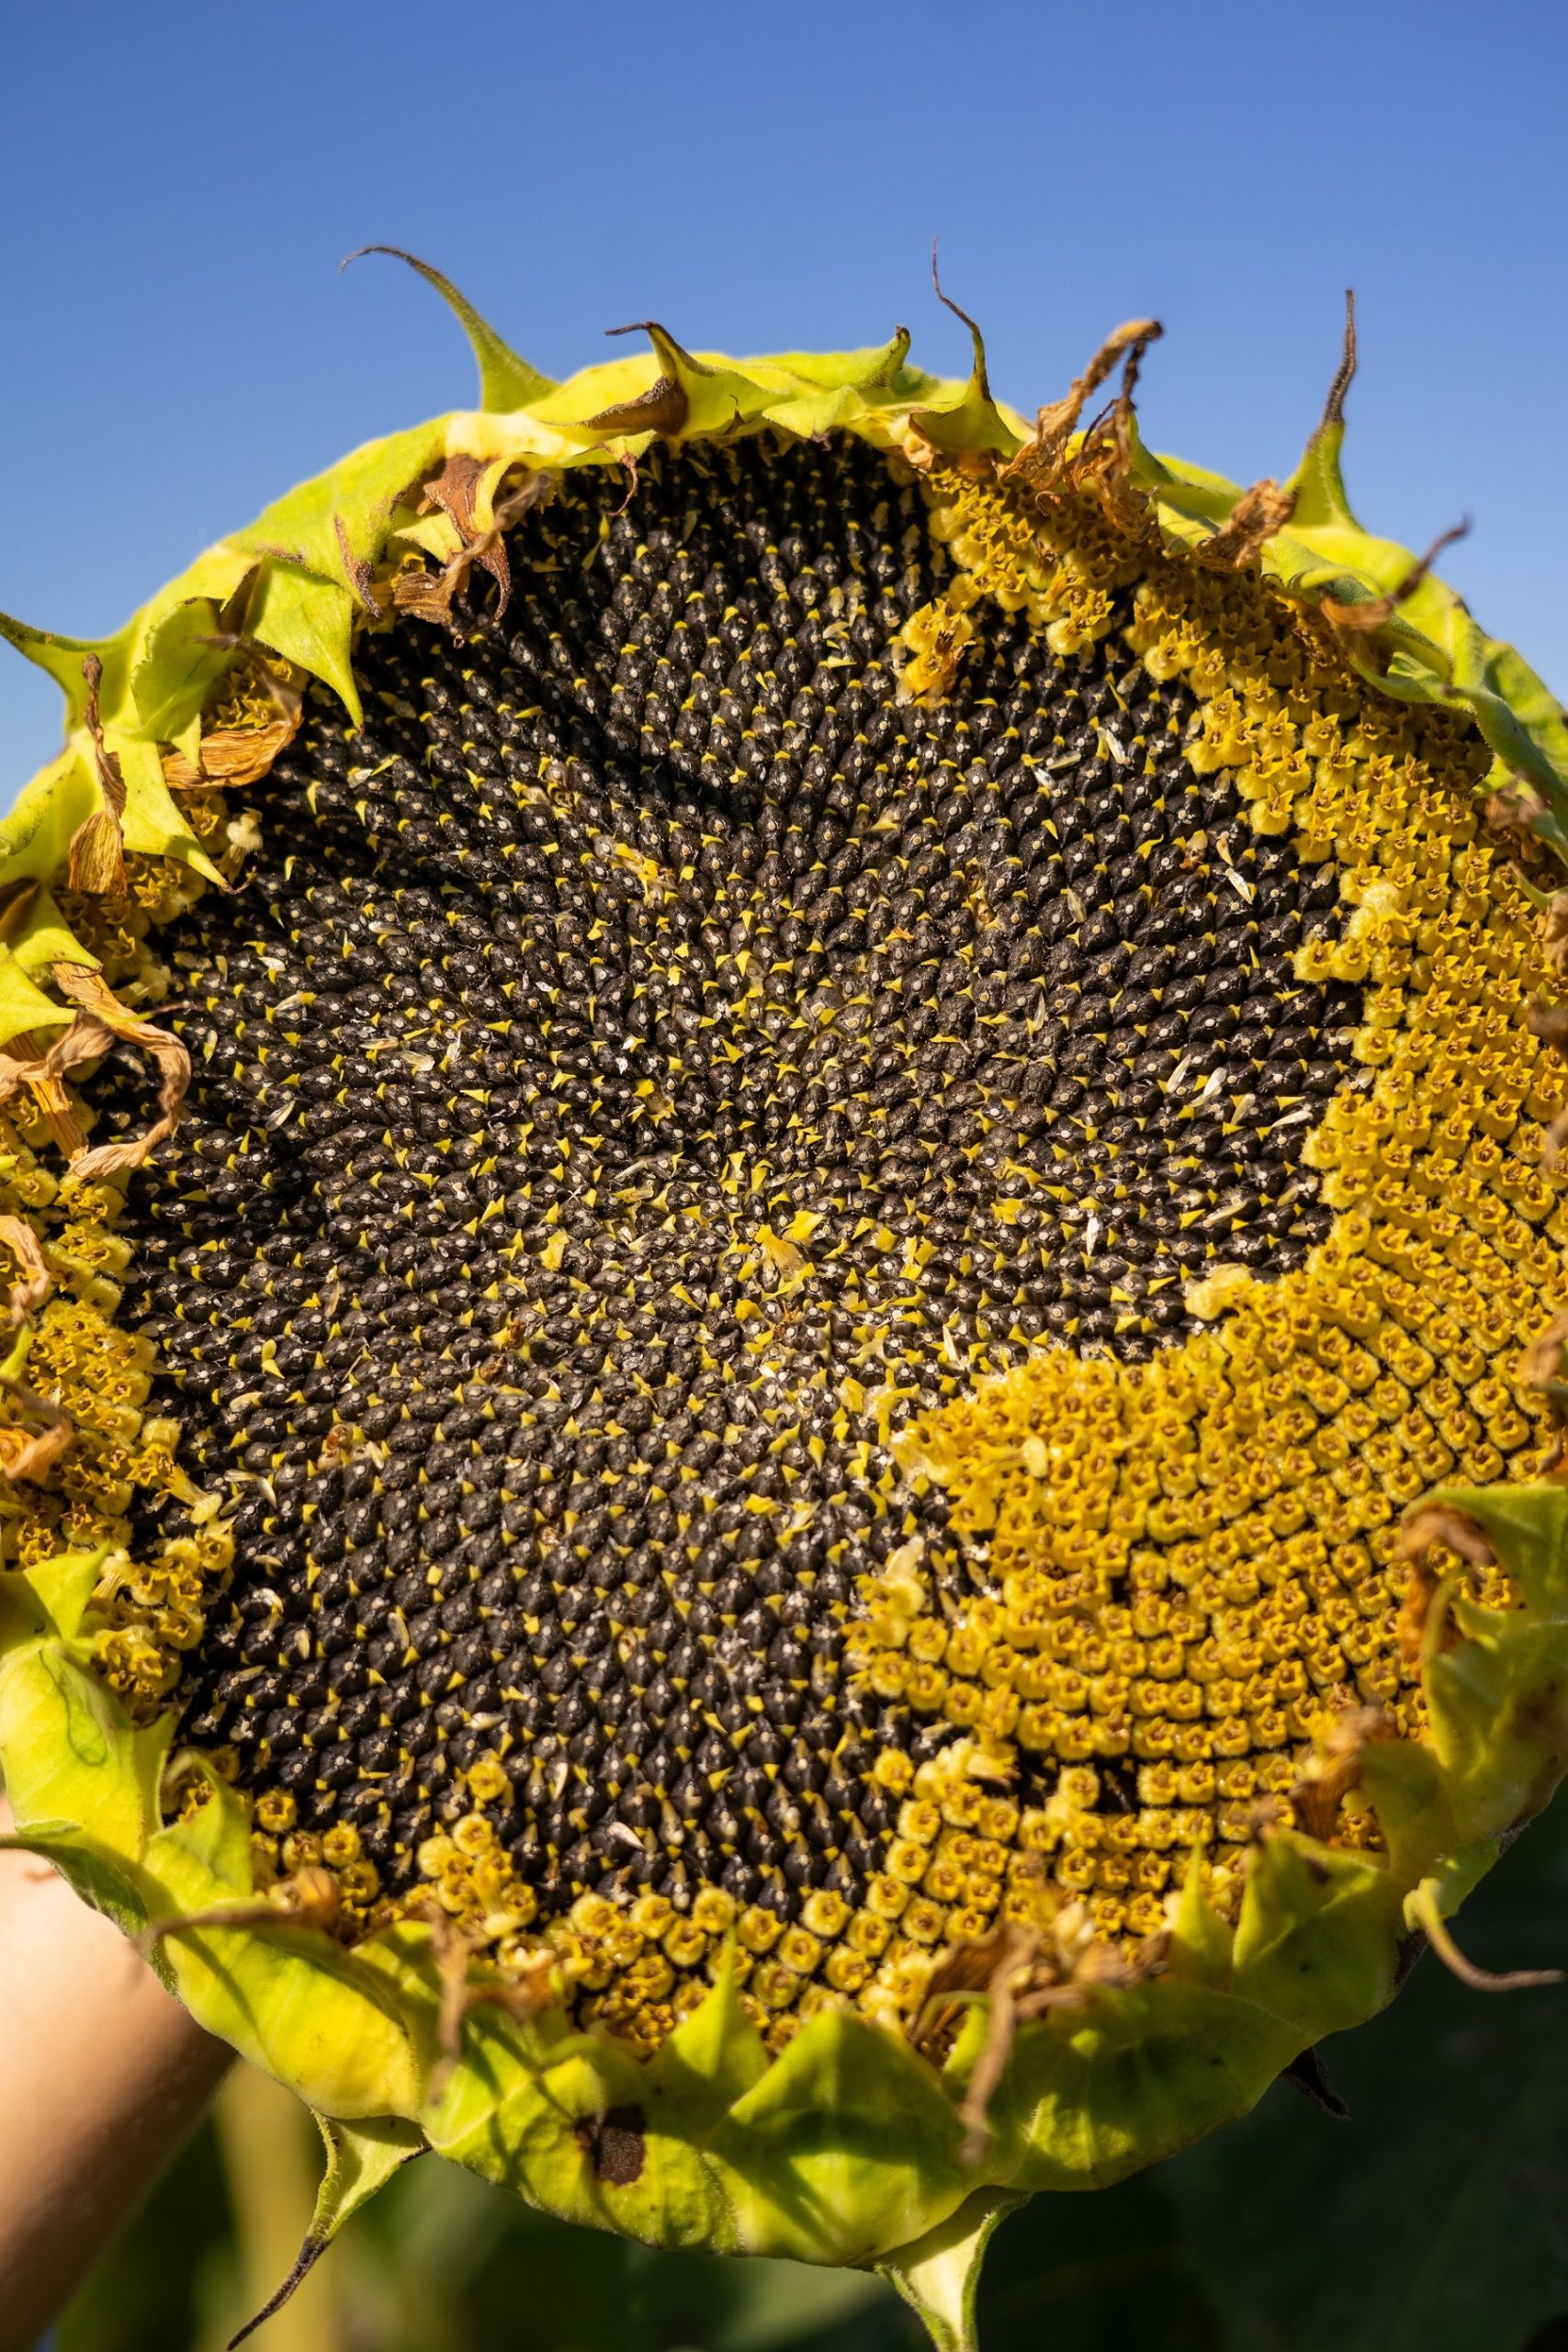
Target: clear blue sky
[(177, 184)]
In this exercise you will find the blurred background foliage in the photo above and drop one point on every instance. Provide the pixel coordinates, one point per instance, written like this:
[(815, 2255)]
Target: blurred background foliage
[(1435, 2217)]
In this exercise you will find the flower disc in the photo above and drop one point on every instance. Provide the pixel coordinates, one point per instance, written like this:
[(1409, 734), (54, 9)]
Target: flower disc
[(860, 1113), (646, 1066)]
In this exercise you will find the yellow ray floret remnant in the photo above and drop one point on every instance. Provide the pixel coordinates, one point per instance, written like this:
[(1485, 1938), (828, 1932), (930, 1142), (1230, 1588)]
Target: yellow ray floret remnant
[(1192, 1561)]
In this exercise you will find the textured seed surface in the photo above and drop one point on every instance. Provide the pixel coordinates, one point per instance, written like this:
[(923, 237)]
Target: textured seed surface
[(649, 1078)]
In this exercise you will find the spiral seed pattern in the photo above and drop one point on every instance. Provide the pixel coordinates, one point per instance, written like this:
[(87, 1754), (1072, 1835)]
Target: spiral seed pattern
[(650, 1063)]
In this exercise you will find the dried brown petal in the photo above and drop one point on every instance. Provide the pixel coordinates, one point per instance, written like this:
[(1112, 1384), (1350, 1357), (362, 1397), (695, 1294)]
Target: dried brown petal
[(1440, 1524), (96, 859), (308, 1899), (1334, 1767), (102, 1019), (28, 1295), (1414, 1632), (1364, 620), (1257, 514), (1042, 458), (33, 1455), (25, 1063), (428, 595)]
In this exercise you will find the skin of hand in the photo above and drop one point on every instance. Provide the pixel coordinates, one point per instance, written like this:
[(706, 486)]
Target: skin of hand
[(102, 2076)]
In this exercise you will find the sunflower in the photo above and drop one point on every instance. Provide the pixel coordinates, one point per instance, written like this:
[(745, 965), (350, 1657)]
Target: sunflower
[(804, 1472)]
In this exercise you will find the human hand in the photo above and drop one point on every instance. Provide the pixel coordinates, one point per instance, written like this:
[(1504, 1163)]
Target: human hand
[(102, 2074)]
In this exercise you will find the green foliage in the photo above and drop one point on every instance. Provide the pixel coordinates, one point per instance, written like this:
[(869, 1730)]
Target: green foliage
[(1436, 2217)]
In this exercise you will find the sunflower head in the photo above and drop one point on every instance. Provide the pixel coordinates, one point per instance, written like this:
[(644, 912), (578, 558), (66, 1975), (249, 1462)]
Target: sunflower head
[(781, 1437)]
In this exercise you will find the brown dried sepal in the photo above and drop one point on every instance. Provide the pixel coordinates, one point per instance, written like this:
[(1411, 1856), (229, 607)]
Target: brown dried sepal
[(1442, 1523), (240, 755), (1550, 1023), (1045, 461), (429, 596), (662, 409), (1051, 473), (94, 862), (424, 594), (995, 1967), (100, 1019), (967, 1969), (454, 491), (25, 1063), (1511, 814)]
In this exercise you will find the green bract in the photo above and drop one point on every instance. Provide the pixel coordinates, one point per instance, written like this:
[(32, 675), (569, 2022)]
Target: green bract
[(1053, 2051)]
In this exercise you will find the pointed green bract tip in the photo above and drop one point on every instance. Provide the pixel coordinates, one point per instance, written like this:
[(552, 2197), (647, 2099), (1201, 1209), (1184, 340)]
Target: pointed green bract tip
[(976, 423), (62, 657), (506, 381), (1317, 483)]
